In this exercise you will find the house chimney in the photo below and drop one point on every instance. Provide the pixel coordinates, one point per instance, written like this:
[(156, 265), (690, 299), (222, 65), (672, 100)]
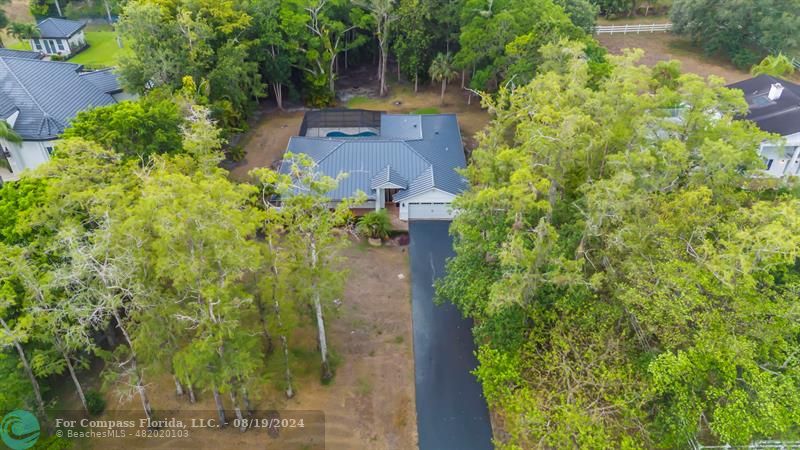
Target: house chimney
[(775, 91)]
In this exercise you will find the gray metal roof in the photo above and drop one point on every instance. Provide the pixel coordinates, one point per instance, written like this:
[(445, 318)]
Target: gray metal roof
[(781, 116), (426, 149), (48, 95), (105, 80), (20, 53), (54, 28), (388, 178)]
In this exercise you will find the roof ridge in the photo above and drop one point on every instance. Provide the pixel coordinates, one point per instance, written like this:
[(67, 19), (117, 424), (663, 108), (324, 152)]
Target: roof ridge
[(24, 88), (330, 152)]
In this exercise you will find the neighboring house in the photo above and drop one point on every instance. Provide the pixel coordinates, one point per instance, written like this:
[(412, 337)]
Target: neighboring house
[(405, 163), (775, 107), (59, 37), (38, 99), (20, 54)]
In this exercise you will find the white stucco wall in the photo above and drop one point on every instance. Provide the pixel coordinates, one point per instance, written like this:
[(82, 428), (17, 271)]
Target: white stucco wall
[(431, 196), (28, 155), (782, 158), (76, 41)]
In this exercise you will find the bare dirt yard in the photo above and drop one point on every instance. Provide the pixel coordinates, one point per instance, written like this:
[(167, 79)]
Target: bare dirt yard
[(664, 46), (369, 404), (265, 142)]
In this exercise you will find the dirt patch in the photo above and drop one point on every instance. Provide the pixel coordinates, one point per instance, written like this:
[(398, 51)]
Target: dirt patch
[(266, 141), (664, 46), (370, 403), (17, 11)]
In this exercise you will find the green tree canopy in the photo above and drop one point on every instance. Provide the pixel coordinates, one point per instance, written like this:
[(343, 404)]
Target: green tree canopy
[(631, 284), (743, 31), (138, 129)]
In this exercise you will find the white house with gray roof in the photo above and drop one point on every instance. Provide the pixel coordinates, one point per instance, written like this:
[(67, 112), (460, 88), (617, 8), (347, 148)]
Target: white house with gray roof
[(59, 37), (409, 162), (38, 99), (774, 105)]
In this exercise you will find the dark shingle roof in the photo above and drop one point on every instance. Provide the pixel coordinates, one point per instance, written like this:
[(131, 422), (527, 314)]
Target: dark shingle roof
[(20, 54), (54, 28), (425, 149), (48, 94), (781, 116)]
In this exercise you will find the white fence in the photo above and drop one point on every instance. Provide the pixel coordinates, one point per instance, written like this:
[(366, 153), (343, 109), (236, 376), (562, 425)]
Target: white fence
[(638, 28)]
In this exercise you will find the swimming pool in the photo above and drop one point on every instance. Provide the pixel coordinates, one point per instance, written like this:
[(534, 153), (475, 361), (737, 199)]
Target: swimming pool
[(340, 134)]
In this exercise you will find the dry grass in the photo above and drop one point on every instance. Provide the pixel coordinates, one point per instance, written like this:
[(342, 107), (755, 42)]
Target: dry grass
[(665, 46), (370, 402)]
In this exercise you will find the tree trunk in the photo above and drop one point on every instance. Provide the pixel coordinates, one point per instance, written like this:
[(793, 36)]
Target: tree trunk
[(220, 407), (139, 378), (277, 306), (332, 77), (289, 390), (416, 83), (463, 78), (58, 8), (327, 374), (111, 22), (192, 398), (278, 88), (35, 384), (262, 313), (444, 88), (398, 68), (238, 411), (74, 377), (178, 386)]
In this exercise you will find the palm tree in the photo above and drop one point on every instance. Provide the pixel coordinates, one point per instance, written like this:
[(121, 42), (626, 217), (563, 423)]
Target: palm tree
[(23, 31), (442, 70), (8, 133)]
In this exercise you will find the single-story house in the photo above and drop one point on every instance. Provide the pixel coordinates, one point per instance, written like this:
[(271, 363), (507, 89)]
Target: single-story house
[(59, 37), (775, 107), (38, 99), (407, 163)]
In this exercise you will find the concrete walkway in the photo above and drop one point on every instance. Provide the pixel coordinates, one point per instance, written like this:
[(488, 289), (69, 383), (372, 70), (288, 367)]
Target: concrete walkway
[(451, 410)]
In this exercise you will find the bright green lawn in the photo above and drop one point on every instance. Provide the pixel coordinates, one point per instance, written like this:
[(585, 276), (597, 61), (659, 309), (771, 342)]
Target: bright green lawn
[(102, 51)]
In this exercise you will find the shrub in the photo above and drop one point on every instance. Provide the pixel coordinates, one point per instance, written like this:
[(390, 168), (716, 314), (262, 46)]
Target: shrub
[(375, 224), (95, 402), (236, 153)]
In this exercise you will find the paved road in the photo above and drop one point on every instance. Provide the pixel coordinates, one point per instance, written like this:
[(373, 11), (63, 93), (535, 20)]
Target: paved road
[(451, 410)]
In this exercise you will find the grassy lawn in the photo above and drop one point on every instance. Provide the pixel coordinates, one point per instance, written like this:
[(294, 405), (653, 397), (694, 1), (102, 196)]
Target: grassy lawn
[(102, 51)]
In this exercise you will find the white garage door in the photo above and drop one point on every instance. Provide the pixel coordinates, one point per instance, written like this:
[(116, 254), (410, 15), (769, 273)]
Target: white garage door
[(429, 211)]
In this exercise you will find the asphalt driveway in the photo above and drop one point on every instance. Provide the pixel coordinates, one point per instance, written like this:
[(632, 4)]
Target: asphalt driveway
[(451, 410)]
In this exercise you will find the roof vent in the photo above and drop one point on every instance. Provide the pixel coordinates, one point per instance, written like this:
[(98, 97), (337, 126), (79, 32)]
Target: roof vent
[(775, 91)]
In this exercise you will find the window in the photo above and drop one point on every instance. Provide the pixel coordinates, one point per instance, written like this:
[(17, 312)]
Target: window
[(769, 163), (60, 44), (49, 151), (37, 45)]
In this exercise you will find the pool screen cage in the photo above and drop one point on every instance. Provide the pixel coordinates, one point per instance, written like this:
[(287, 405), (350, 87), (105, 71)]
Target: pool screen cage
[(340, 118)]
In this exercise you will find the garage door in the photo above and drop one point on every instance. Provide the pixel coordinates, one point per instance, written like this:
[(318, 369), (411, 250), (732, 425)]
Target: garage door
[(429, 211)]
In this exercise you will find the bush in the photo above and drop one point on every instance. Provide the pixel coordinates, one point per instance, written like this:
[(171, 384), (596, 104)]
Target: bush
[(236, 153), (95, 402), (375, 224), (745, 58)]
